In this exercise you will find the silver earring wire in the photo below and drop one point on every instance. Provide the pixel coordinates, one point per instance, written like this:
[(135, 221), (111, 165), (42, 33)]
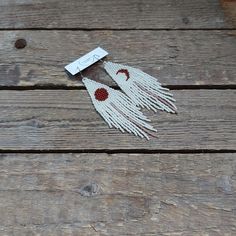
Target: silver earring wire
[(82, 76), (101, 60)]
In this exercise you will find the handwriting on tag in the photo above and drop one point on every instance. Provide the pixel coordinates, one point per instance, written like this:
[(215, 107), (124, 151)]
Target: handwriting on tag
[(86, 60)]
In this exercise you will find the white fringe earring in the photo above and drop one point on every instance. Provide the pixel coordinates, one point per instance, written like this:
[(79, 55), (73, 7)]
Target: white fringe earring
[(142, 88), (118, 110)]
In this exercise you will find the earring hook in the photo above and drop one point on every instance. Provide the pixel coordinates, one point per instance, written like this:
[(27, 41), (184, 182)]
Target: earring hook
[(99, 59), (80, 73)]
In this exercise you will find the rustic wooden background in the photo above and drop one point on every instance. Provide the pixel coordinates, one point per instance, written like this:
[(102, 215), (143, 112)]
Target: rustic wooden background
[(63, 172)]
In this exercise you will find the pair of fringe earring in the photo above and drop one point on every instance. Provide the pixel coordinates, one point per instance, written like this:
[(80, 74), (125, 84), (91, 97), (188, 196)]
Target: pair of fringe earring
[(122, 111)]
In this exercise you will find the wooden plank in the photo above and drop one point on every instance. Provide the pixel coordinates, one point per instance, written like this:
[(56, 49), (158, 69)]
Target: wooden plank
[(66, 120), (177, 58), (126, 194), (121, 14)]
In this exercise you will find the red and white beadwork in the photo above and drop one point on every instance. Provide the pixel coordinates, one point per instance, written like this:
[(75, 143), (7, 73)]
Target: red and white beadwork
[(118, 110), (142, 88)]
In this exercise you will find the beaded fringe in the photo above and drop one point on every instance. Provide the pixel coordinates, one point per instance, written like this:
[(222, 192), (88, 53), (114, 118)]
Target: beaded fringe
[(118, 110), (142, 88)]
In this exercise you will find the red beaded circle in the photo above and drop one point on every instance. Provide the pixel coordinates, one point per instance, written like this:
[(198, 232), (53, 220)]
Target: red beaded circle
[(101, 94)]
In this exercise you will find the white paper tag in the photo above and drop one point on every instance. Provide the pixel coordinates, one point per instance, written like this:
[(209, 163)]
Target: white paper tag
[(86, 60)]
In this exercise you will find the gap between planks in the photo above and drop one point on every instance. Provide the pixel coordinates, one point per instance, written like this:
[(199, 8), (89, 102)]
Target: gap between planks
[(117, 29), (117, 151), (171, 87)]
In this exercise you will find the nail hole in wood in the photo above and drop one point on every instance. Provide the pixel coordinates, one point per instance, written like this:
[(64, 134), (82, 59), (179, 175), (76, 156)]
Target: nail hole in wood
[(20, 43)]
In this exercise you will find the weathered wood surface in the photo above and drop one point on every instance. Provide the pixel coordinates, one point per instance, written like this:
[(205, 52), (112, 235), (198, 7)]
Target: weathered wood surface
[(176, 57), (186, 43), (121, 14), (66, 119), (121, 194)]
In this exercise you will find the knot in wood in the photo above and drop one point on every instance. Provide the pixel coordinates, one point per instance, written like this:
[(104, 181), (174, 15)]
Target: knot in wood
[(89, 190)]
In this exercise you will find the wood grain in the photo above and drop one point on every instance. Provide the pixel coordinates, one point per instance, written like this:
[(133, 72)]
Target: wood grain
[(186, 44), (132, 14), (136, 194), (66, 120), (176, 57)]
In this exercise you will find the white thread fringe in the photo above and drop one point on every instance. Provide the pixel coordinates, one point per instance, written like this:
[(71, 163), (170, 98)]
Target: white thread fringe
[(119, 111), (142, 88)]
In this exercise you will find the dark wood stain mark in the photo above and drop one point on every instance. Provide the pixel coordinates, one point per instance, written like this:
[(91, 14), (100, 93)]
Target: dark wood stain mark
[(10, 76), (229, 7), (185, 20)]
